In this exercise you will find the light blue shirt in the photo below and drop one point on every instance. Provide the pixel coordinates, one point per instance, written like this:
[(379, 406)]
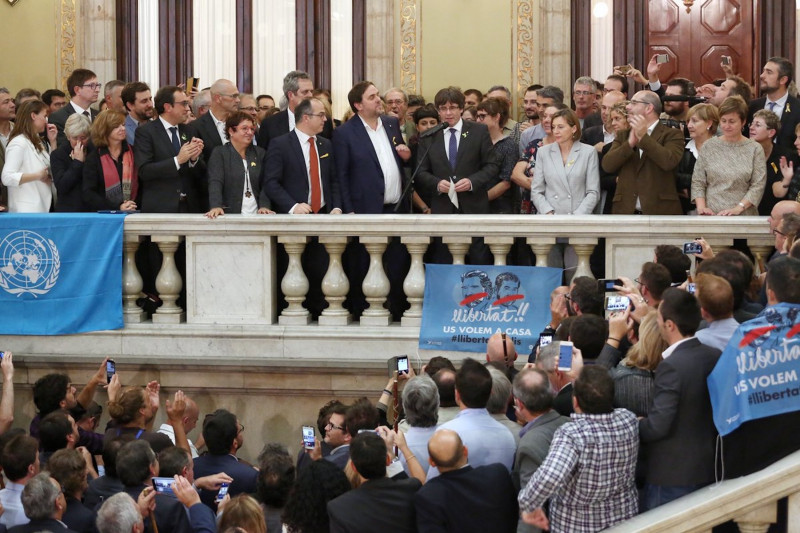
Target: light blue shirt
[(487, 440), (11, 498), (718, 333), (417, 440)]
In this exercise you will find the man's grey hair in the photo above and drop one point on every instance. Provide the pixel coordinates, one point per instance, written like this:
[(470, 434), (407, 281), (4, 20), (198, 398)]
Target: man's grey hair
[(111, 85), (39, 497), (548, 357), (203, 99), (291, 82), (532, 388), (651, 98), (118, 514), (396, 90), (586, 80), (500, 88), (421, 402), (4, 90), (501, 392), (552, 92), (77, 125)]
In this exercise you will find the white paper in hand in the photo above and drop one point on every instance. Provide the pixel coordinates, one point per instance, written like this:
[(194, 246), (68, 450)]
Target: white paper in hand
[(452, 193)]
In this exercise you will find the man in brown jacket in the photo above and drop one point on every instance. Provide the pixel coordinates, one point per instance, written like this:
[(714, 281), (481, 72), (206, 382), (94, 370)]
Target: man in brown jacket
[(645, 158)]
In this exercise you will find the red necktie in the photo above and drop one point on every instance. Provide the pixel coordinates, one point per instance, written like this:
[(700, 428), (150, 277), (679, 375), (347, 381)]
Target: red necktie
[(313, 163)]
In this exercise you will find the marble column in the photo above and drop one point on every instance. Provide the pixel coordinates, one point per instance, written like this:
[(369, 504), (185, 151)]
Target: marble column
[(500, 246), (335, 284), (97, 38), (380, 60), (584, 246), (414, 284), (294, 283), (553, 26), (758, 520), (541, 247), (376, 284), (168, 282), (458, 247), (131, 281)]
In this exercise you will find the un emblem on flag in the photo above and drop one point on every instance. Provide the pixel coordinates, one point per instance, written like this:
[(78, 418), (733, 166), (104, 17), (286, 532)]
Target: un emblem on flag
[(29, 263)]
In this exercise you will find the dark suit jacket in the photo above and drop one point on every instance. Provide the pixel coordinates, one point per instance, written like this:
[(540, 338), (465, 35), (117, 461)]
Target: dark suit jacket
[(101, 489), (357, 168), (226, 177), (377, 505), (161, 183), (285, 177), (204, 128), (651, 177), (678, 432), (468, 499), (474, 161), (593, 135), (170, 514), (36, 526), (202, 519), (68, 178), (245, 477), (591, 120), (93, 183), (534, 445), (78, 517), (563, 401), (278, 124), (59, 118), (789, 119)]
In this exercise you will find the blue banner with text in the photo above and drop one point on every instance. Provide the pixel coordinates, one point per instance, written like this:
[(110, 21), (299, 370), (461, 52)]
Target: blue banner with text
[(60, 273), (464, 305)]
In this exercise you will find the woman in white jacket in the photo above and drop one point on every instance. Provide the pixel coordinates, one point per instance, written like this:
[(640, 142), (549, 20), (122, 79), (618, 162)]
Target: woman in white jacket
[(27, 169)]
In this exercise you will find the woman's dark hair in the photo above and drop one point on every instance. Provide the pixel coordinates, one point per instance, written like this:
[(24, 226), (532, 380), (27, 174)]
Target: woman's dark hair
[(426, 111), (495, 106), (306, 510), (276, 475), (23, 124), (236, 118)]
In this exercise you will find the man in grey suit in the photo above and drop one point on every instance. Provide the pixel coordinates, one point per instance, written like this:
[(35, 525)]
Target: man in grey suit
[(533, 403), (679, 423)]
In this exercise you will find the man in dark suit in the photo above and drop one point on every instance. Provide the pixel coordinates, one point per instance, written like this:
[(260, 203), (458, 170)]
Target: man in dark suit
[(297, 86), (679, 423), (458, 500), (223, 435), (645, 158), (168, 158), (84, 90), (380, 503), (44, 504), (369, 153), (561, 381), (300, 166), (584, 96), (461, 154), (774, 88), (7, 114)]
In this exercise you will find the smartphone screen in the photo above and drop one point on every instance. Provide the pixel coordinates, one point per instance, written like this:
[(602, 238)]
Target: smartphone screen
[(111, 369), (691, 287), (565, 356), (607, 285), (223, 490), (617, 302), (163, 485), (402, 364), (308, 437), (662, 58), (544, 340), (692, 248)]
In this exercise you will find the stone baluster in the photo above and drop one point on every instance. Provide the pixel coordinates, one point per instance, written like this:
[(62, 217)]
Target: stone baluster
[(335, 284), (414, 284), (793, 513), (541, 247), (500, 246), (458, 246), (376, 284), (761, 254), (584, 246), (131, 281), (294, 283), (758, 520), (168, 282)]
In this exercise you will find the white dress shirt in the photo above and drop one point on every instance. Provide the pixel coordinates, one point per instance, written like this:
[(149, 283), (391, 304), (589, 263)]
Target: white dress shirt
[(220, 124), (780, 104), (167, 430), (303, 138), (448, 134), (385, 152)]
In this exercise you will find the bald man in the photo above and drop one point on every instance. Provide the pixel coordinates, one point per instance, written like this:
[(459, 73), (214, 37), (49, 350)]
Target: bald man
[(190, 417), (462, 498), (496, 352)]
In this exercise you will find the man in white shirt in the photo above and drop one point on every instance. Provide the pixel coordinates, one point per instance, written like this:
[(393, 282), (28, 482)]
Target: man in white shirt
[(20, 460), (716, 306), (190, 416)]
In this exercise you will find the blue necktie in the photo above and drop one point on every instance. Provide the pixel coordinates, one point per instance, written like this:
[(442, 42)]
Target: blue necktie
[(772, 106), (176, 144), (452, 149)]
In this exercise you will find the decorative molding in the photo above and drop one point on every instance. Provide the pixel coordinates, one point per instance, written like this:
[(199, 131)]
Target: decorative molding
[(67, 54), (524, 53), (409, 45)]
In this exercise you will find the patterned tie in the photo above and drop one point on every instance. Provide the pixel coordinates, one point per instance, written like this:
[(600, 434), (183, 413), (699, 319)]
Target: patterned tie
[(176, 144), (452, 149), (313, 164)]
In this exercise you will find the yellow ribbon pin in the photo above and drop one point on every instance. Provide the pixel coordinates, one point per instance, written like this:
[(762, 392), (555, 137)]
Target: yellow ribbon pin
[(323, 156)]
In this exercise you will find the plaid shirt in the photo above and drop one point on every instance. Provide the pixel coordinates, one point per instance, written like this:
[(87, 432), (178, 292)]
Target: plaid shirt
[(588, 473)]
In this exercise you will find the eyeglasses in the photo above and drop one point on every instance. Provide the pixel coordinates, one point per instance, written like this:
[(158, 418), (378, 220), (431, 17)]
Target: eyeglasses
[(583, 93), (321, 114), (184, 103), (505, 349), (265, 107), (235, 96), (638, 281), (448, 108), (776, 231), (93, 86), (395, 102), (639, 102), (240, 428), (481, 116), (249, 108), (568, 296), (330, 426)]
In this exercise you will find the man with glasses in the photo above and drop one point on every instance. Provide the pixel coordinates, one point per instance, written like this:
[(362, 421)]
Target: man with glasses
[(458, 157), (264, 103), (397, 106), (247, 104), (224, 436), (84, 90), (645, 158), (584, 95)]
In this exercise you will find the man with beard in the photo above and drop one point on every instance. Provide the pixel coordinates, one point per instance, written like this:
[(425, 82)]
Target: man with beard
[(677, 112), (137, 100), (531, 107), (775, 80)]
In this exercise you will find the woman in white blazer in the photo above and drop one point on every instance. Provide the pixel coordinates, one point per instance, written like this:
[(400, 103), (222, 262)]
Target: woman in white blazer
[(566, 178), (27, 169)]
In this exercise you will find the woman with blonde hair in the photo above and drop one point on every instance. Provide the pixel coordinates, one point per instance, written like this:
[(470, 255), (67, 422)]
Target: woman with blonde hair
[(26, 171), (132, 414), (244, 512), (701, 123), (110, 181)]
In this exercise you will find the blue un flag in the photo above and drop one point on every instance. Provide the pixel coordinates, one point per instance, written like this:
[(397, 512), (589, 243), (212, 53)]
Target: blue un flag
[(60, 273)]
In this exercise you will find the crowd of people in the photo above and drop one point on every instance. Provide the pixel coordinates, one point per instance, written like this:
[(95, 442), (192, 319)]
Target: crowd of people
[(625, 426)]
